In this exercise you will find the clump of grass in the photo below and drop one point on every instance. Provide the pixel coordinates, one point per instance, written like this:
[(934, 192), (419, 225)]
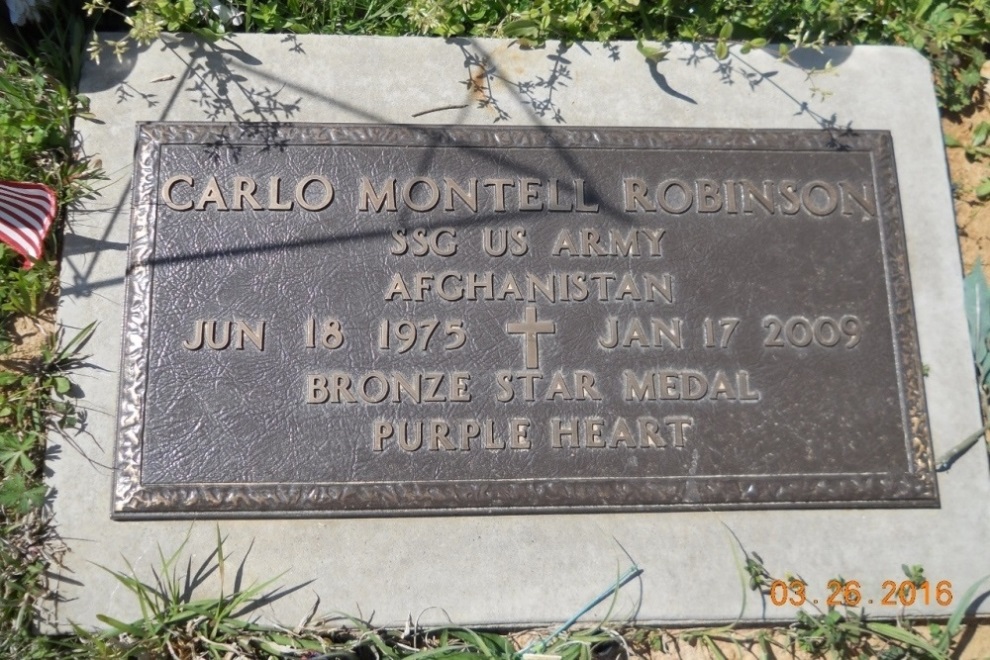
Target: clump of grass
[(977, 150), (22, 291), (33, 397), (144, 20), (977, 304), (177, 622), (38, 106), (38, 73), (35, 127), (35, 121)]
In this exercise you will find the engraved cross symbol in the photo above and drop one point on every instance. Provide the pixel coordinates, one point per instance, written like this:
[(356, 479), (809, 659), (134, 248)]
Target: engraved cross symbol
[(531, 329)]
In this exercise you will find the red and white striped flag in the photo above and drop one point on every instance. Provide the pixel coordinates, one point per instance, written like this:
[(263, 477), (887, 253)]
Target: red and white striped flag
[(26, 214)]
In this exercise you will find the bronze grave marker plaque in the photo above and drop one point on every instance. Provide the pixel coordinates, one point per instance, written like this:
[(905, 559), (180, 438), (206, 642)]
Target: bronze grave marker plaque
[(340, 320)]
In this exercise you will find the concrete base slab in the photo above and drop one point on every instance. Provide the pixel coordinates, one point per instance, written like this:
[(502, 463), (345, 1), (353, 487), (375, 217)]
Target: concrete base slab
[(508, 570)]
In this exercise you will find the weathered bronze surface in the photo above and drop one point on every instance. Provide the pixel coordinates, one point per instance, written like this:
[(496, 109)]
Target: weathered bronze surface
[(339, 320)]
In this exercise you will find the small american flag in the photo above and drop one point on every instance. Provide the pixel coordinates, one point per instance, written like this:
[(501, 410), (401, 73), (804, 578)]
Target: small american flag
[(26, 214)]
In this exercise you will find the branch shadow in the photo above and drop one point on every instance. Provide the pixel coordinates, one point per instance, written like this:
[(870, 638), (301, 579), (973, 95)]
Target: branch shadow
[(536, 92), (213, 82), (737, 68)]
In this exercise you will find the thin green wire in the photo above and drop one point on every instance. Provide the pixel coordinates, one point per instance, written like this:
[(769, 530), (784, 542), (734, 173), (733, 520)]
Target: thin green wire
[(540, 645)]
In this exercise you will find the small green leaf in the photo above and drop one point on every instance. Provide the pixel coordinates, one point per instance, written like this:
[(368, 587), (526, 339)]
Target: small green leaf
[(651, 53), (983, 190), (922, 8), (62, 384), (524, 27), (132, 630), (725, 32), (15, 493), (981, 133), (721, 50), (904, 637), (971, 76), (950, 141), (955, 621), (977, 300)]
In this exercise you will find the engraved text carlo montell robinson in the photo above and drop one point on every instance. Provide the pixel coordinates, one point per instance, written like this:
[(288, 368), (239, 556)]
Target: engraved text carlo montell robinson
[(353, 320)]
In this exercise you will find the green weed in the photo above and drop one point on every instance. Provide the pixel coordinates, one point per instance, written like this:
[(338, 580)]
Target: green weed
[(838, 631), (33, 398), (384, 17), (33, 395), (977, 305), (37, 108), (35, 120), (38, 105), (978, 149), (940, 643), (22, 291), (174, 623), (144, 20), (24, 555), (954, 35), (845, 632)]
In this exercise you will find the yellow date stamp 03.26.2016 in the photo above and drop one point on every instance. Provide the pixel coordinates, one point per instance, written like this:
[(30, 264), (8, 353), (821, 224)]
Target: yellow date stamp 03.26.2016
[(849, 593)]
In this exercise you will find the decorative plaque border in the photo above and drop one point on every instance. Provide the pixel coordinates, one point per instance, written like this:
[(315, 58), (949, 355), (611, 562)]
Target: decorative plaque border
[(914, 486)]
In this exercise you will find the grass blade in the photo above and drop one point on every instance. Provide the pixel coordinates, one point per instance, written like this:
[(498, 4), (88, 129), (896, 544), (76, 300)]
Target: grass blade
[(903, 636)]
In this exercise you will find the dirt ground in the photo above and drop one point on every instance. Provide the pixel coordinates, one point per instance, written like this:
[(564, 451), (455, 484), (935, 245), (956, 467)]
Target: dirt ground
[(30, 336), (743, 644), (972, 216)]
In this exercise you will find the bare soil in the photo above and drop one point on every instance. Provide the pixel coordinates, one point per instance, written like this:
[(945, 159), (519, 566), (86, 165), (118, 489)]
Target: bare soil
[(972, 215), (29, 336)]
